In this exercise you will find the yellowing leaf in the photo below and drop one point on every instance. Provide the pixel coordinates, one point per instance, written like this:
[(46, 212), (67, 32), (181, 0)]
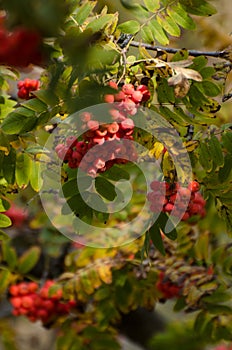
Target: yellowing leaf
[(105, 273), (157, 150)]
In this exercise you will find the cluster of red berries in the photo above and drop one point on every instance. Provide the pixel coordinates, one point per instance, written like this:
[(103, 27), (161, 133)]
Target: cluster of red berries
[(20, 47), (196, 205), (128, 98), (167, 288), (223, 347), (35, 303), (26, 86), (105, 144)]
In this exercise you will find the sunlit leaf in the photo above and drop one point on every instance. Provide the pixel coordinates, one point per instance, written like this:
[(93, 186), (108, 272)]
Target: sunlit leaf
[(180, 16), (129, 27), (5, 221), (152, 5)]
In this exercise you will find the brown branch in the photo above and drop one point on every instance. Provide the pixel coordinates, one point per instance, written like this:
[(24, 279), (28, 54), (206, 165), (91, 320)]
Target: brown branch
[(194, 53)]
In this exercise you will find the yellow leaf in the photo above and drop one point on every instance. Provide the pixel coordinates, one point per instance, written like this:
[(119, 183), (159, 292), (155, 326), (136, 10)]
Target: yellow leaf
[(156, 150), (105, 273)]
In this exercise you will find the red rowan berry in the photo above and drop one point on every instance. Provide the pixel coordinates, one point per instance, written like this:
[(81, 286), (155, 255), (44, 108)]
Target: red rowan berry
[(194, 186)]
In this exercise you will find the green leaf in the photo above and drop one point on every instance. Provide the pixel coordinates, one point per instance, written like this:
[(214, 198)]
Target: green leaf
[(86, 284), (201, 321), (23, 169), (216, 152), (5, 221), (169, 25), (24, 112), (180, 16), (28, 260), (6, 107), (36, 149), (4, 205), (9, 255), (207, 72), (70, 188), (199, 8), (172, 117), (9, 165), (4, 280), (209, 88), (129, 27), (225, 171), (165, 92), (128, 4), (35, 105), (219, 296), (99, 23), (152, 5), (16, 123), (219, 309), (227, 141), (84, 11), (105, 188), (180, 304), (36, 176), (147, 35), (78, 206), (158, 32), (162, 222), (199, 63), (116, 173), (156, 238), (4, 236), (205, 157), (47, 97), (4, 143), (137, 10)]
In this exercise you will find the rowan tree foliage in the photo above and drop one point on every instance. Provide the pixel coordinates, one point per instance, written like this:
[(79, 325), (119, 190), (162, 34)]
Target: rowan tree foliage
[(155, 93)]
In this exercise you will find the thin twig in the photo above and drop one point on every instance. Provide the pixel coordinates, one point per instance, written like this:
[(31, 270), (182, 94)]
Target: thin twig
[(194, 53)]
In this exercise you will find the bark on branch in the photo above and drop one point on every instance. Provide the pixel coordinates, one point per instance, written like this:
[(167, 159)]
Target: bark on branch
[(218, 54)]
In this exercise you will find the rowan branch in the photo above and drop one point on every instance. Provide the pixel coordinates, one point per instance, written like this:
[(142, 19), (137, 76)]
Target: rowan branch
[(218, 54)]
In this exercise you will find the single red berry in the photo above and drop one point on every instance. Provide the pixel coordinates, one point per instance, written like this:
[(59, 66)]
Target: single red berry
[(109, 98), (16, 302), (127, 124), (101, 132), (23, 288), (93, 124), (113, 85), (194, 186), (146, 93), (86, 116), (120, 96), (99, 163), (185, 217), (128, 89), (14, 290), (113, 128), (185, 193), (117, 115), (155, 185), (71, 140), (32, 287), (199, 199), (27, 302), (137, 96), (168, 207)]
